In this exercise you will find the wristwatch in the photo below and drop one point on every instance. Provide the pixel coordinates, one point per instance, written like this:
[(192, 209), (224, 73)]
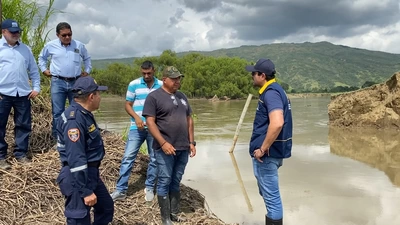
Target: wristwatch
[(192, 143)]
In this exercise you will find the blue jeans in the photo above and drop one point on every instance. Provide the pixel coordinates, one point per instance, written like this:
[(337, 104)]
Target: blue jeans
[(135, 140), (170, 170), (266, 173), (60, 91), (22, 121)]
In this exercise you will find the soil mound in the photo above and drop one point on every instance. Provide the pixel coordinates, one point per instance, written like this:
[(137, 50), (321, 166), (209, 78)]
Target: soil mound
[(30, 195), (377, 106)]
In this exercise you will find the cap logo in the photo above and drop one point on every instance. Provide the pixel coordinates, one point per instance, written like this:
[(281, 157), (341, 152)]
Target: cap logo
[(14, 24), (172, 70)]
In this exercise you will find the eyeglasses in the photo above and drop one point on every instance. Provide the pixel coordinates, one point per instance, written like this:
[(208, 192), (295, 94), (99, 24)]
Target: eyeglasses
[(174, 100), (148, 73), (15, 32), (65, 35)]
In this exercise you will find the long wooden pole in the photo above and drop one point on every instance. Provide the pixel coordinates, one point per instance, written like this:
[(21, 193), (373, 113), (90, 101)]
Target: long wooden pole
[(235, 165), (235, 138), (246, 196)]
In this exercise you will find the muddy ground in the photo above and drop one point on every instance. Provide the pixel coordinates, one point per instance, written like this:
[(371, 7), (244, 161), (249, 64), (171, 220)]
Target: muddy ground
[(377, 106)]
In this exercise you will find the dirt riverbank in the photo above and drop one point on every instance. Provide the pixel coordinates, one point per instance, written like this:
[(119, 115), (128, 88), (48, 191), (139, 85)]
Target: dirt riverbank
[(377, 106)]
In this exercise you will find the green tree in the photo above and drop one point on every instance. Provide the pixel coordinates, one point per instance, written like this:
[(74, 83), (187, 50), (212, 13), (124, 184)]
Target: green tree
[(117, 77), (205, 76)]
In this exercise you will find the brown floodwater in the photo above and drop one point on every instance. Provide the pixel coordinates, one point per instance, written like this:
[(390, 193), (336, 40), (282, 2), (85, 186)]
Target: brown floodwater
[(335, 176)]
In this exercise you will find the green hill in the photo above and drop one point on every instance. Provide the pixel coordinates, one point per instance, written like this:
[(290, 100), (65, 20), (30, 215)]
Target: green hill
[(311, 66), (103, 63)]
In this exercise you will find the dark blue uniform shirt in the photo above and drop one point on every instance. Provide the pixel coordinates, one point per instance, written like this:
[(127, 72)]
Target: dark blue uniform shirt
[(79, 144), (272, 97)]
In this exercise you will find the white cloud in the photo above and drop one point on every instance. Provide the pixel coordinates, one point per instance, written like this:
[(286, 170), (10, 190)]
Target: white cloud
[(123, 28)]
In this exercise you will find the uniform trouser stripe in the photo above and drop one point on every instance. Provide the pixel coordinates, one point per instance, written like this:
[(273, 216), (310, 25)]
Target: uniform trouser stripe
[(79, 168)]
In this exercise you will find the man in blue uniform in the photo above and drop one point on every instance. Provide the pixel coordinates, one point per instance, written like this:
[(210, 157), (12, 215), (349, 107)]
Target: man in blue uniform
[(81, 150), (271, 140)]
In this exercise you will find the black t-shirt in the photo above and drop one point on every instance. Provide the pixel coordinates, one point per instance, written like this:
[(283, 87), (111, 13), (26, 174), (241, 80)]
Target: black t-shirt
[(170, 112)]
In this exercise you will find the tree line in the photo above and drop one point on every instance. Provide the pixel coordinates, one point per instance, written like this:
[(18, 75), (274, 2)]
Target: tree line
[(205, 76)]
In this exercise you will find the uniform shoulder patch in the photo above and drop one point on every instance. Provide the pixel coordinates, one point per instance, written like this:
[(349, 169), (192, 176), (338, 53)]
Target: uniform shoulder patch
[(73, 134), (92, 128)]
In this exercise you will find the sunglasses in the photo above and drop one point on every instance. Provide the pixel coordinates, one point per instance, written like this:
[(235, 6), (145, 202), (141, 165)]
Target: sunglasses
[(148, 73), (65, 35), (15, 32), (256, 73)]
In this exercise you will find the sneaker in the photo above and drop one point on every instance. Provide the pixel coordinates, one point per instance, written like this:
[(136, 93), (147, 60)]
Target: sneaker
[(149, 194), (4, 165), (24, 159), (117, 195)]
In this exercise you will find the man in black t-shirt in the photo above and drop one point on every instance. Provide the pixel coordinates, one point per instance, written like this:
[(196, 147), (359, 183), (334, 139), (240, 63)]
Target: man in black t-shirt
[(169, 120)]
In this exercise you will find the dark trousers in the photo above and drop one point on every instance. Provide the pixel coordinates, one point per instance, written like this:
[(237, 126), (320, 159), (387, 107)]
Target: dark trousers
[(22, 120), (76, 212)]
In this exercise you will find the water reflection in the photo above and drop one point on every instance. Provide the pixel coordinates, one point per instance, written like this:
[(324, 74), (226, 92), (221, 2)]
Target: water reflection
[(377, 148), (348, 177)]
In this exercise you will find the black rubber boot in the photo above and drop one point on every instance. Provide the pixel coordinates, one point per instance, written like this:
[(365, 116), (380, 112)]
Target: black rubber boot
[(165, 210), (269, 221), (175, 198)]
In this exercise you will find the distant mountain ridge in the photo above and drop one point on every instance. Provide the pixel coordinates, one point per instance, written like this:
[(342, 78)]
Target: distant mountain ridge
[(310, 66)]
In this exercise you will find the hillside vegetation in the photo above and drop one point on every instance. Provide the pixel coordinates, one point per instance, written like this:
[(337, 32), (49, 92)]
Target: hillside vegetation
[(305, 67)]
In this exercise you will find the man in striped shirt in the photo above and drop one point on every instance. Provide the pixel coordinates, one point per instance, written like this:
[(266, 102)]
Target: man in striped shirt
[(138, 90)]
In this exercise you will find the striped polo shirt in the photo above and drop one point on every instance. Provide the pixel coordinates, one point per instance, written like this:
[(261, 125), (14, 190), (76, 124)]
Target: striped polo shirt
[(137, 93)]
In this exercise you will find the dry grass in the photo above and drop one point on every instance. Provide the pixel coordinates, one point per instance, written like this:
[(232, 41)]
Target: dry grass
[(30, 195)]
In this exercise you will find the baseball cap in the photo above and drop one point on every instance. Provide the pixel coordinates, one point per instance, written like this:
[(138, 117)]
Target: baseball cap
[(85, 85), (171, 72), (10, 25), (262, 65)]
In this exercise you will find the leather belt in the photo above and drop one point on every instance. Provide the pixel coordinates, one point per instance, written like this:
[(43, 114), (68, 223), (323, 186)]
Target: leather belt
[(90, 164), (67, 78)]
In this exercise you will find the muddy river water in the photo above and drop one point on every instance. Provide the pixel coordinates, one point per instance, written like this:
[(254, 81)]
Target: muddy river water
[(335, 177)]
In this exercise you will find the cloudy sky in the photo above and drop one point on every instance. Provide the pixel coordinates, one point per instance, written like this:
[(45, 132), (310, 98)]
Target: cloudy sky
[(126, 28)]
